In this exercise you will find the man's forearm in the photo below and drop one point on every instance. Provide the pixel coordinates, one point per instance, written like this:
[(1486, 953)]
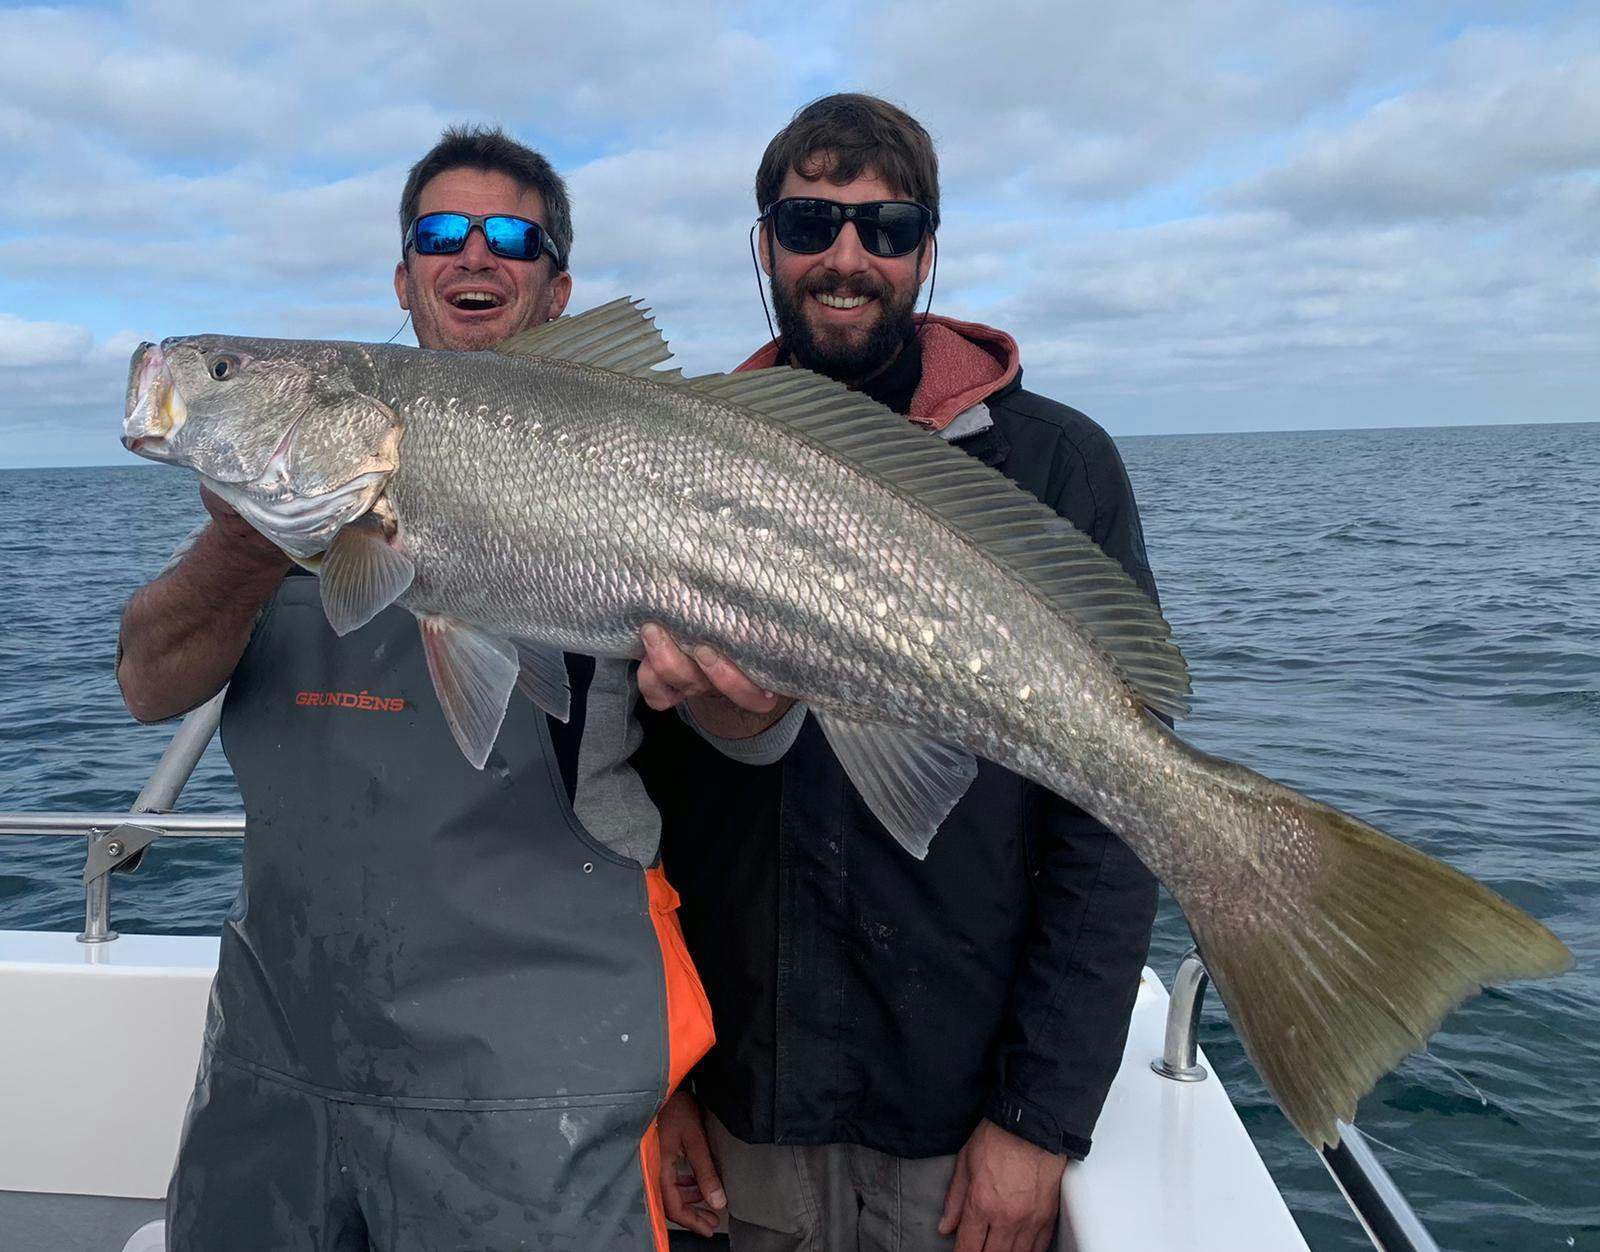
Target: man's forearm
[(183, 634)]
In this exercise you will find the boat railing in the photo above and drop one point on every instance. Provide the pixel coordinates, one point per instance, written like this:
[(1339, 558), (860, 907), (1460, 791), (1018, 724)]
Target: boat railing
[(1385, 1213), (116, 841)]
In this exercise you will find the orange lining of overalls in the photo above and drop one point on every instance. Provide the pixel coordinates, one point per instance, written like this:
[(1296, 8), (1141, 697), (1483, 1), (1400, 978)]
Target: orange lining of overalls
[(689, 1032)]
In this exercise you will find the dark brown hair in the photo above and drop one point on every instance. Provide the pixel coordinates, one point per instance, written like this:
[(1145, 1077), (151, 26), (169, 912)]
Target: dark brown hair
[(490, 149), (842, 136)]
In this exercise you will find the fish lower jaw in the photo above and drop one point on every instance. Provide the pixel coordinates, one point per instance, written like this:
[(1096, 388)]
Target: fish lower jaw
[(157, 416), (152, 446)]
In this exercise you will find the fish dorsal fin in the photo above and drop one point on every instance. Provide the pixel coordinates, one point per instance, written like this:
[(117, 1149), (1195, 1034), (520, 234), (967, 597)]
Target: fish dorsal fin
[(1040, 548), (910, 783), (619, 336)]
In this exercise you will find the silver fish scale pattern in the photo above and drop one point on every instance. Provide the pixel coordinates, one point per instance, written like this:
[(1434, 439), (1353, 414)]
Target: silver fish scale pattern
[(567, 504)]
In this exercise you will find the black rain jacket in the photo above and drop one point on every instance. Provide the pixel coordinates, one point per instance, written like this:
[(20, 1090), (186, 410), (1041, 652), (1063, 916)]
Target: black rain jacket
[(860, 996)]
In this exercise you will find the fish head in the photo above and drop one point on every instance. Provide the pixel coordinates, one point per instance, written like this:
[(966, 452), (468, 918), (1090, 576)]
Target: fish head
[(280, 429), (213, 405)]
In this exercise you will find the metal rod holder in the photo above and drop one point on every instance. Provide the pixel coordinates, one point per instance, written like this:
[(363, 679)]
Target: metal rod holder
[(97, 901), (1384, 1213), (1180, 1053)]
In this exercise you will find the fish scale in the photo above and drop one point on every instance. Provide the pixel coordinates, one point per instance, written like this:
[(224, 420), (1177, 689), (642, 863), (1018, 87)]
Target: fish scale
[(653, 502), (560, 493)]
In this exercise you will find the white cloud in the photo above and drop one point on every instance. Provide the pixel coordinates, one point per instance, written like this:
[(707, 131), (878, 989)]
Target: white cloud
[(90, 72), (350, 76), (1106, 100), (1505, 118), (25, 344), (1242, 308), (1249, 203)]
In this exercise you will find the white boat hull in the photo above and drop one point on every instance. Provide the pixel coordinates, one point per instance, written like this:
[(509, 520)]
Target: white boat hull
[(97, 1059), (101, 1042)]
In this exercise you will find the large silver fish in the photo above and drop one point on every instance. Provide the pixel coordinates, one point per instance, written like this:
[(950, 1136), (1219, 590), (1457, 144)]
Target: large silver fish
[(563, 492)]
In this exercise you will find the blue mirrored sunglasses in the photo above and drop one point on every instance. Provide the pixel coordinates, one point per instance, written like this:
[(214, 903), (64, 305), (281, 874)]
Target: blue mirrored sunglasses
[(515, 238)]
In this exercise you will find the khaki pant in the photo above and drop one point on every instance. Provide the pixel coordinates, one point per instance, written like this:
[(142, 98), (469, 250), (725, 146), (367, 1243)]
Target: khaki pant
[(837, 1198)]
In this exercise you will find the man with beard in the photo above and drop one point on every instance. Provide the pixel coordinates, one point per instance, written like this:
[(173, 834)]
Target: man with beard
[(909, 1053)]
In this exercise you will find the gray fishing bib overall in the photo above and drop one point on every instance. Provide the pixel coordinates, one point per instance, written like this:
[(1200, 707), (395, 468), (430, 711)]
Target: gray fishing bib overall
[(441, 1017)]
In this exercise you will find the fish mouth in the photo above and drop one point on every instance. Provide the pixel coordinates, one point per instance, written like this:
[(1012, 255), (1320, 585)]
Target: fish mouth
[(156, 408)]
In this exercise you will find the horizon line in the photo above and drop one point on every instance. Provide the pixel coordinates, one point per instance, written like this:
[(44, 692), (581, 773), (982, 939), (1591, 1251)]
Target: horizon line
[(134, 461)]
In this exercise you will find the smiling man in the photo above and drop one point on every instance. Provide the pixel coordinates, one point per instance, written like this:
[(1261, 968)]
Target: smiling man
[(850, 316), (449, 1002), (461, 291), (909, 1053)]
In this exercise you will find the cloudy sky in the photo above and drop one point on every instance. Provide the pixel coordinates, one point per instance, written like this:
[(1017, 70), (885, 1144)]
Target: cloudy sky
[(1224, 214)]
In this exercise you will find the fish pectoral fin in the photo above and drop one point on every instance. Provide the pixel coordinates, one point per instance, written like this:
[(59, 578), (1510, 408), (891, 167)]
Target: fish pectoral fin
[(543, 677), (362, 574), (473, 674), (910, 783)]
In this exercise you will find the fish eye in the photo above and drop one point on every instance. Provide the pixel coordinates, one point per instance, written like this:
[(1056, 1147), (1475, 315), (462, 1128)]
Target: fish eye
[(224, 367)]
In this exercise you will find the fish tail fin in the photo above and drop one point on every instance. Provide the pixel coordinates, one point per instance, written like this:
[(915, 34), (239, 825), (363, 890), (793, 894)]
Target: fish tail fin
[(1332, 986)]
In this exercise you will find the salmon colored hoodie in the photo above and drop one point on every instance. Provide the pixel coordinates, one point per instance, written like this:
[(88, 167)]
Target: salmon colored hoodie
[(963, 363)]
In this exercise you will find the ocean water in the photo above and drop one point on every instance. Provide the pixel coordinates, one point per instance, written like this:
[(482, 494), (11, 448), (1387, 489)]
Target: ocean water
[(1405, 623)]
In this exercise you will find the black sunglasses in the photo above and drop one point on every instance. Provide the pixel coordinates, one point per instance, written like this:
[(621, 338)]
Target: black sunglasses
[(886, 227), (516, 238)]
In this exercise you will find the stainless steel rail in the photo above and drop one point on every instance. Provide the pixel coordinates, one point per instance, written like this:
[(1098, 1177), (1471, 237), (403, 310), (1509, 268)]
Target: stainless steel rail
[(179, 825), (106, 849), (183, 753), (1385, 1214)]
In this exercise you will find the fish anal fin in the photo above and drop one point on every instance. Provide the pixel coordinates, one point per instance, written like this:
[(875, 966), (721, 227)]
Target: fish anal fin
[(542, 677), (910, 783), (473, 674), (362, 573)]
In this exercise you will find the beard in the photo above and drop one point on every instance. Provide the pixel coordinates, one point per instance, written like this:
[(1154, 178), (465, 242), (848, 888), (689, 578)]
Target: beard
[(844, 354)]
